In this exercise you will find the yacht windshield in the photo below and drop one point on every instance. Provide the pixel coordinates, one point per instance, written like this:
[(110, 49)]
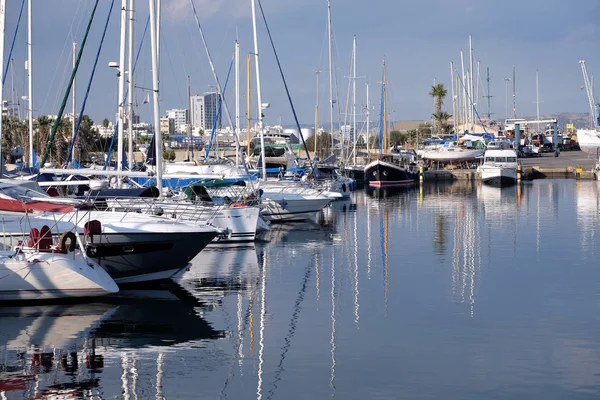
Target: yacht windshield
[(21, 192)]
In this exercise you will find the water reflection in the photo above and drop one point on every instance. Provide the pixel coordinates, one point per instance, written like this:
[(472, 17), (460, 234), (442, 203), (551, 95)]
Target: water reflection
[(64, 350), (442, 290)]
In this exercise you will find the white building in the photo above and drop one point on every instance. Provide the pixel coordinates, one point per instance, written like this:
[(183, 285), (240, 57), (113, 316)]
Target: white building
[(103, 131), (179, 118), (347, 132), (204, 111)]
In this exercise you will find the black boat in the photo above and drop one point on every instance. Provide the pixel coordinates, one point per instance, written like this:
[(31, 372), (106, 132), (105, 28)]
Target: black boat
[(384, 174)]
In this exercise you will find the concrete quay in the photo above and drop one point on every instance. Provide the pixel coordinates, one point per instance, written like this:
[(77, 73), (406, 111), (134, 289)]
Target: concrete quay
[(568, 165)]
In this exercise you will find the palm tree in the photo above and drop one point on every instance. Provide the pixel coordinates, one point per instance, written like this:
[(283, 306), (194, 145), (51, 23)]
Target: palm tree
[(442, 118), (439, 93), (43, 125)]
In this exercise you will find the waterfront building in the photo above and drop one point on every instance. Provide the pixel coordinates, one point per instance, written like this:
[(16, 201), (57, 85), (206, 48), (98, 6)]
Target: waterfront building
[(180, 119), (204, 111)]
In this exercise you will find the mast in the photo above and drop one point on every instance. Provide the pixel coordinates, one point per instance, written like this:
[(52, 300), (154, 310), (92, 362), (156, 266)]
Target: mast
[(189, 119), (317, 114), (489, 96), (476, 101), (2, 31), (258, 93), (354, 96), (29, 84), (385, 139), (130, 86), (248, 102), (453, 94), (368, 124), (514, 95), (537, 99), (154, 35), (471, 87), (73, 120), (121, 92), (158, 14), (464, 91), (330, 73), (237, 101)]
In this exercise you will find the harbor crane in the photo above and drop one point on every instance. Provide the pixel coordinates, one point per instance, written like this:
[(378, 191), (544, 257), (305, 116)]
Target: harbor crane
[(594, 108)]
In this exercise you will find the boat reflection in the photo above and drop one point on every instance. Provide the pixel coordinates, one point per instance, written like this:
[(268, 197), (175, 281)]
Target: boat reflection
[(153, 318), (311, 234), (63, 351)]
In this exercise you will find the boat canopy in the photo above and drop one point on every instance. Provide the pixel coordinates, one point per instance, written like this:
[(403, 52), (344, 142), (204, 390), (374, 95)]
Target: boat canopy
[(150, 191)]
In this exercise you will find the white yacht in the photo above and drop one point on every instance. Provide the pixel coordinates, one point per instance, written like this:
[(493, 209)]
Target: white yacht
[(131, 247), (499, 167), (37, 268)]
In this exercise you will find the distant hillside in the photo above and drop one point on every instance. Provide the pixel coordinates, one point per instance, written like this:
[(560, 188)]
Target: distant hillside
[(579, 120)]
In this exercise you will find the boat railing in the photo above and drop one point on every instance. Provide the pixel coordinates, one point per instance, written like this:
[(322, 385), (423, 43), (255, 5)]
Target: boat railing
[(176, 209)]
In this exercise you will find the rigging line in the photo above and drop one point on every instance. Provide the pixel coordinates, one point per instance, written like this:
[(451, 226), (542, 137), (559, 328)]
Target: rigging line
[(216, 78), (61, 57), (70, 85), (291, 330), (137, 57), (166, 47), (218, 116), (12, 45), (199, 70), (89, 86), (285, 83)]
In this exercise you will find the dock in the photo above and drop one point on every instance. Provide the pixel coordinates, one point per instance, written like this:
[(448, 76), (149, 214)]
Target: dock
[(568, 165)]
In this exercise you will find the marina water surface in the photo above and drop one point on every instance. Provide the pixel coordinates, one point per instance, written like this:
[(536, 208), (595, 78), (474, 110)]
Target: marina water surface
[(452, 291)]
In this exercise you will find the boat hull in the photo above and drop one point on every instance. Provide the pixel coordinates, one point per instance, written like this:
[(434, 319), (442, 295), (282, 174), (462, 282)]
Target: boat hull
[(143, 257), (383, 174), (452, 155), (499, 168), (355, 172), (288, 209), (48, 276)]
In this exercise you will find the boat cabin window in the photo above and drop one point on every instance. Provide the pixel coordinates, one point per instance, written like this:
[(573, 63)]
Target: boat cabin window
[(20, 192), (501, 159)]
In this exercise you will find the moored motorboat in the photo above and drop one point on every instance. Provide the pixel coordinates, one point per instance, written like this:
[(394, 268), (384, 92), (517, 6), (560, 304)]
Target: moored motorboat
[(37, 268), (499, 167), (132, 247)]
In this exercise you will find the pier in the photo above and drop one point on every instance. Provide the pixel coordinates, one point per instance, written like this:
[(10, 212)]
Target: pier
[(568, 165)]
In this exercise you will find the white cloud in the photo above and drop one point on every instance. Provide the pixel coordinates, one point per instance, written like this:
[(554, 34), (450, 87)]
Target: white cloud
[(179, 9)]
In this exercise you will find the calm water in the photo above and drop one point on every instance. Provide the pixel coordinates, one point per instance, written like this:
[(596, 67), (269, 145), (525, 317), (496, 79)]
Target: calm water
[(454, 291)]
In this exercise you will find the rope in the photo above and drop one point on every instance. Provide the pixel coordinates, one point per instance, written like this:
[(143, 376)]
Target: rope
[(87, 92), (69, 86), (285, 84), (12, 45)]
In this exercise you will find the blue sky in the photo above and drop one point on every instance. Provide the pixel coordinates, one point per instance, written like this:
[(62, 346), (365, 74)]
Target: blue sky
[(419, 39)]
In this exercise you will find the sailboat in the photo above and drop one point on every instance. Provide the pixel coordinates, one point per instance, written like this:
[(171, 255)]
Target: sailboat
[(356, 168), (386, 170)]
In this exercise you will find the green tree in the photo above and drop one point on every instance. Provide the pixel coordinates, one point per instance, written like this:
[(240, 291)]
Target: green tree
[(169, 155), (105, 122), (323, 144), (438, 92), (14, 134), (442, 118), (43, 126)]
